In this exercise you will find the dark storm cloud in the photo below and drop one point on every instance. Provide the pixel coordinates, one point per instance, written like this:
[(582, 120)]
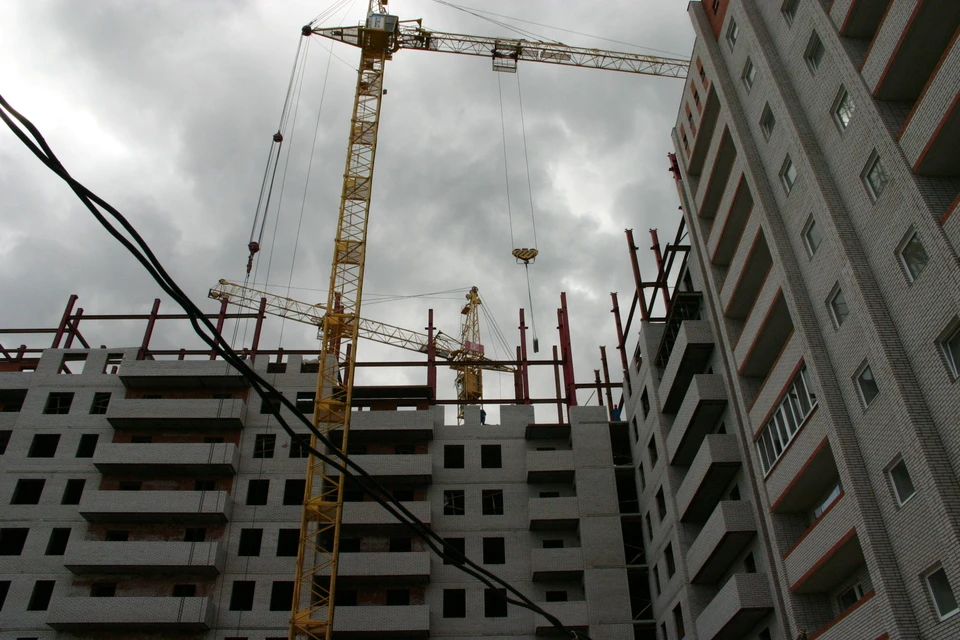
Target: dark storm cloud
[(167, 109)]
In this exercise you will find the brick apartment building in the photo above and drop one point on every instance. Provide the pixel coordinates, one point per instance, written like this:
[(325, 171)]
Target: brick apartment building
[(796, 419)]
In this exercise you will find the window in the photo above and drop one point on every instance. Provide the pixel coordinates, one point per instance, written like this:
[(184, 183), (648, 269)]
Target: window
[(58, 403), (492, 502), (454, 603), (839, 310), (153, 396), (788, 175), (950, 346), (264, 445), (271, 404), (298, 447), (735, 493), (141, 439), (671, 561), (101, 400), (405, 449), (646, 518), (398, 597), (556, 596), (129, 485), (350, 545), (798, 402), (112, 365), (4, 440), (103, 589), (643, 477), (850, 597), (749, 75), (824, 504), (733, 32), (644, 404), (4, 589), (73, 491), (212, 440), (40, 596), (11, 400), (57, 543), (288, 541), (553, 544), (490, 456), (652, 450), (696, 101), (305, 401), (749, 563), (812, 237), (293, 491), (250, 540), (900, 479), (356, 449), (204, 485), (44, 445), (549, 494), (495, 603), (942, 594), (12, 541), (453, 456), (843, 108), (27, 492), (401, 545), (194, 534), (875, 177), (656, 579), (345, 597), (789, 10), (453, 502), (116, 535), (814, 53), (88, 445), (767, 122), (661, 505), (494, 551), (765, 635), (913, 256), (678, 621), (404, 495), (241, 598), (453, 550), (257, 492), (281, 596), (867, 386), (184, 591)]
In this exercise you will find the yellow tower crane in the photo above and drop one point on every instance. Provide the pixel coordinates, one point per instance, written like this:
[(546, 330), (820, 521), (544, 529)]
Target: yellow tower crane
[(378, 38)]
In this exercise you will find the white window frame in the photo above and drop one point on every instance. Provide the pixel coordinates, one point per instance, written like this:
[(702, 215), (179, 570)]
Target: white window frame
[(951, 356), (907, 270), (786, 181), (858, 591), (789, 11), (733, 33), (827, 501), (856, 382), (814, 53), (835, 293), (936, 607), (807, 228), (845, 101), (898, 462), (789, 416), (768, 121), (749, 74), (875, 191)]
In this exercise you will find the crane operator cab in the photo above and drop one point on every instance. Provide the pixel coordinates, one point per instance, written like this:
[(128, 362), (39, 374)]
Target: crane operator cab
[(380, 30)]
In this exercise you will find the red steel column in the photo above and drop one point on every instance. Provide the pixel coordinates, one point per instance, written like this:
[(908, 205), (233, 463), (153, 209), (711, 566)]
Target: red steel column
[(431, 356), (636, 275), (606, 378), (567, 349), (220, 318), (73, 328), (556, 379), (142, 354), (63, 321), (620, 342), (261, 314), (661, 276), (524, 367)]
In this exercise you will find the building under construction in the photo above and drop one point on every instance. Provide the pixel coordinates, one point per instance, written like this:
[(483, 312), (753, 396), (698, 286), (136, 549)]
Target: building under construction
[(787, 461)]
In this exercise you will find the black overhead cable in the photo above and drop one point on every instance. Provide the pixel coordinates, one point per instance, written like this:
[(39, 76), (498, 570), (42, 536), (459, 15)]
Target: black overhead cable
[(138, 247)]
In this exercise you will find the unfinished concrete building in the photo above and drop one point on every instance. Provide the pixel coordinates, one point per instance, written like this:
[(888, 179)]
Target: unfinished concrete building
[(794, 415)]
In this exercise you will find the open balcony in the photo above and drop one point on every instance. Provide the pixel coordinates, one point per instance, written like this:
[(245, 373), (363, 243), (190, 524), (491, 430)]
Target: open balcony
[(393, 426), (547, 514), (541, 431), (193, 558), (573, 615), (180, 374), (710, 473), (411, 567), (827, 554), (183, 459), (765, 332), (360, 517), (375, 623), (702, 406), (739, 606), (727, 230), (157, 507), (556, 564), (177, 413), (153, 614), (724, 536), (549, 466), (397, 469), (684, 352)]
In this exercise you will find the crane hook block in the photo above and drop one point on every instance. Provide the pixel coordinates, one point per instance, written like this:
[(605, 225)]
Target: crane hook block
[(525, 255), (278, 137)]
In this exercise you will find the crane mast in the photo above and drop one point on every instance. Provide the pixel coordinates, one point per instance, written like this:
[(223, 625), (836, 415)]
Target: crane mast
[(380, 36), (318, 553)]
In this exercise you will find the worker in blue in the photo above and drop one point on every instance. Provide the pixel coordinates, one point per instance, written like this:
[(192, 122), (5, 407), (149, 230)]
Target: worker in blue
[(483, 417)]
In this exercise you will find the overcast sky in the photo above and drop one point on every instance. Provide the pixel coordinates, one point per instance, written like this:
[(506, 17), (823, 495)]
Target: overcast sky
[(166, 109)]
